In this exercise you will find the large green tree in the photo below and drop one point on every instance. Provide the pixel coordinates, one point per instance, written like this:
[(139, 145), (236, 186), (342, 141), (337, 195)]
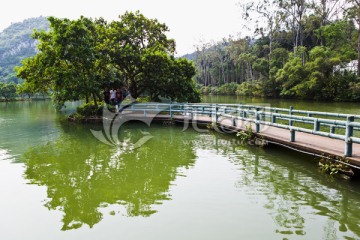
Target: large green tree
[(130, 42), (68, 62), (139, 48), (7, 91), (354, 12), (78, 58), (168, 77)]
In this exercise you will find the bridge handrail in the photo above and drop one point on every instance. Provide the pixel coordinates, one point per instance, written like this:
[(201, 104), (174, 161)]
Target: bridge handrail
[(253, 113), (328, 114), (189, 106), (186, 107)]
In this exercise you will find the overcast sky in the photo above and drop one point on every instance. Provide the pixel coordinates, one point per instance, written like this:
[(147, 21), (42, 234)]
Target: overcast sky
[(188, 20)]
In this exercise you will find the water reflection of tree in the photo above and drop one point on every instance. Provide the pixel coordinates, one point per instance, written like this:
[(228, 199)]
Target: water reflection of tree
[(293, 187), (81, 174)]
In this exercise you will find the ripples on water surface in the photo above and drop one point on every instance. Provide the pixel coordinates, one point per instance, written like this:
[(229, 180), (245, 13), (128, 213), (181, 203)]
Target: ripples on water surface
[(59, 182)]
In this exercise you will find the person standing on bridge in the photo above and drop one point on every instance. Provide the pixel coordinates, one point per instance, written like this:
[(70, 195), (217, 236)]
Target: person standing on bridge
[(106, 95), (118, 98), (126, 94), (112, 96)]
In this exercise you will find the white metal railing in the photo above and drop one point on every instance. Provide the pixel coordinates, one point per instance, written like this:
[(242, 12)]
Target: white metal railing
[(267, 116)]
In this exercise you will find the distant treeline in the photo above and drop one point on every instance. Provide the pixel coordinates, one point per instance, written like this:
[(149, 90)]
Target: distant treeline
[(303, 50), (12, 91)]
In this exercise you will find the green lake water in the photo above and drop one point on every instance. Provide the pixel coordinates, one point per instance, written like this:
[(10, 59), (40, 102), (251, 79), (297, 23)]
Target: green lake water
[(58, 181)]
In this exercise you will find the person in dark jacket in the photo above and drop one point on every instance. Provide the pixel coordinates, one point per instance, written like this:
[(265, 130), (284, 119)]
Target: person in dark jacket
[(107, 95)]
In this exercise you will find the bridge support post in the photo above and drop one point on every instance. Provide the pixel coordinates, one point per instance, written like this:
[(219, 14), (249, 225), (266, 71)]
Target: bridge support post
[(332, 129), (316, 125), (291, 113), (257, 122), (273, 118), (171, 112), (240, 109), (292, 135), (216, 113), (348, 134)]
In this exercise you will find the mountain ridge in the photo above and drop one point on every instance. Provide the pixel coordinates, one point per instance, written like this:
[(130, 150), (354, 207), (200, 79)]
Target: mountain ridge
[(17, 44)]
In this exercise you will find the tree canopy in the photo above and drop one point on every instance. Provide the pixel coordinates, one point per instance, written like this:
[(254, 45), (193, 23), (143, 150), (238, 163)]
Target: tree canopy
[(7, 91), (77, 59)]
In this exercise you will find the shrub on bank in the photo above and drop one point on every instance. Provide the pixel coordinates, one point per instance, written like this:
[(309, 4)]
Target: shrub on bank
[(209, 90), (143, 99), (249, 89), (228, 89), (90, 110)]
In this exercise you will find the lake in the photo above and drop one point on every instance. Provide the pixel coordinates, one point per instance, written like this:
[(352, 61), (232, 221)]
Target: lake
[(58, 181)]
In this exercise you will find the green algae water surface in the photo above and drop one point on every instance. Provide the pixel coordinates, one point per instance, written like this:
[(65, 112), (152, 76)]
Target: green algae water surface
[(58, 181)]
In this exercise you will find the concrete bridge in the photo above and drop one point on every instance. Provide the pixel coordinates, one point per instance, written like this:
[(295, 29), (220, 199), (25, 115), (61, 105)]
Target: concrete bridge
[(333, 134)]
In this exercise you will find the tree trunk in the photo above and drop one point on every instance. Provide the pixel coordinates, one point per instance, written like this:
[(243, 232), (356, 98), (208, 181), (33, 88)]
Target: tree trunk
[(204, 76), (358, 49), (99, 97), (294, 32), (223, 73), (133, 89), (251, 72), (95, 101)]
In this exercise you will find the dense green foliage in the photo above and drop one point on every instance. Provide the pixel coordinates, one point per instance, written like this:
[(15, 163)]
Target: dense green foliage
[(300, 49), (89, 109), (17, 44), (15, 92), (303, 49), (7, 91), (77, 59)]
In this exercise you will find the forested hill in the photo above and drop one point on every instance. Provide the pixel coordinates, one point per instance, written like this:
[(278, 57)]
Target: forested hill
[(17, 44)]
